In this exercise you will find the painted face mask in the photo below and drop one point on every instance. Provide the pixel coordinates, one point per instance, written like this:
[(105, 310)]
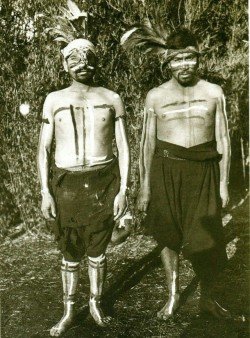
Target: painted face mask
[(177, 63), (78, 44), (81, 58)]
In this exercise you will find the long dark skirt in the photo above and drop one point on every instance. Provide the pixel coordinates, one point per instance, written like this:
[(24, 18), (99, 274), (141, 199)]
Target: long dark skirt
[(184, 213)]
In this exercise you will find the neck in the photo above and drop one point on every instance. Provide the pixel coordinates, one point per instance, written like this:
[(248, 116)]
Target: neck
[(81, 86)]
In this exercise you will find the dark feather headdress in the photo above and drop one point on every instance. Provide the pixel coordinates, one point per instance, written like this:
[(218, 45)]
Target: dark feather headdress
[(152, 38), (70, 28)]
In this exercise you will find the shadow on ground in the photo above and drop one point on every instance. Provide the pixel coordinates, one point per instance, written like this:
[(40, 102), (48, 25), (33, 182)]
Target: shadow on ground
[(31, 290)]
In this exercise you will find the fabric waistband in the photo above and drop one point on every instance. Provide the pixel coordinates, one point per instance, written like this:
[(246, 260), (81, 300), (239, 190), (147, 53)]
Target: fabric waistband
[(89, 167), (60, 172), (200, 152)]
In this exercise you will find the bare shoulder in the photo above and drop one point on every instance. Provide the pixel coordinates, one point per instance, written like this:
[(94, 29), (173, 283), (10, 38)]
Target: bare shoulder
[(108, 94), (154, 93), (53, 100), (211, 89), (57, 94)]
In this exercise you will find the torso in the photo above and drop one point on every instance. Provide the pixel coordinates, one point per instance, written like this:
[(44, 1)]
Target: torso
[(186, 115), (84, 127)]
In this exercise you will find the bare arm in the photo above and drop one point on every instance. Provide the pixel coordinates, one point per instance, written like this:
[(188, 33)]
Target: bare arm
[(147, 149), (43, 158), (223, 147), (120, 203)]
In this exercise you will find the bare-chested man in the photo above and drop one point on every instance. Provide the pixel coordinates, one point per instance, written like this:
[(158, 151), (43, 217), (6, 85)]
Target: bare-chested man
[(184, 165), (88, 190)]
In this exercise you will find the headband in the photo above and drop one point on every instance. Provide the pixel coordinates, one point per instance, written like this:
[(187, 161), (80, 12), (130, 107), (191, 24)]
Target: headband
[(78, 44), (169, 54)]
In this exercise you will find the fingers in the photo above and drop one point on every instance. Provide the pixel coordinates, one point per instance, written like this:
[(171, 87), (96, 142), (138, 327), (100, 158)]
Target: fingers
[(48, 207), (118, 216), (115, 210), (53, 209), (225, 202), (120, 206), (49, 213), (120, 212), (46, 214), (142, 206)]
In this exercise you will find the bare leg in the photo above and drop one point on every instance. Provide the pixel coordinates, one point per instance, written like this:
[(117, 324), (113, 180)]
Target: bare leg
[(170, 260), (208, 305), (97, 275), (70, 276)]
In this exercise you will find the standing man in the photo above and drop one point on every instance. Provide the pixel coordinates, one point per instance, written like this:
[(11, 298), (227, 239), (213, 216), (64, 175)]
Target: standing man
[(88, 190), (184, 167)]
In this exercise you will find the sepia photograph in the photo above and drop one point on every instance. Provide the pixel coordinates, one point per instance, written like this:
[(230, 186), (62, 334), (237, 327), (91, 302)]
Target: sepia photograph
[(124, 190)]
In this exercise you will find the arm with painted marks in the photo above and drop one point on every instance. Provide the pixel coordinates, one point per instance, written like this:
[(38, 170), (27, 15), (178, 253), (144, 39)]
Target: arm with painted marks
[(147, 149), (44, 157), (120, 203), (223, 147)]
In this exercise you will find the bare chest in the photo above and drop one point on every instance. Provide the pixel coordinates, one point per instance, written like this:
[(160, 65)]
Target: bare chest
[(184, 112), (83, 115)]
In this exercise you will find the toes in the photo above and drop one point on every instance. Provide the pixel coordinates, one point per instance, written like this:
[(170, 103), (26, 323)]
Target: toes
[(164, 316), (107, 320), (57, 331), (54, 332), (159, 314)]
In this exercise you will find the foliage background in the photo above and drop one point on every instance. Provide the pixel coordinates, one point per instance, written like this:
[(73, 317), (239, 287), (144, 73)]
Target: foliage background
[(31, 68)]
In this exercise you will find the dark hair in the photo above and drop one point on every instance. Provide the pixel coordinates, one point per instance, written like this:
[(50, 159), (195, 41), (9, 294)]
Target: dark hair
[(181, 38)]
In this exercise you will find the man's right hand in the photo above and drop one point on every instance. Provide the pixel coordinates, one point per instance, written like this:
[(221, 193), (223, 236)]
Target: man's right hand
[(48, 207), (143, 199)]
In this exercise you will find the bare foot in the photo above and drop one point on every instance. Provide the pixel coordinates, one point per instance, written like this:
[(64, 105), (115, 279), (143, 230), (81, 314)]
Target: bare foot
[(64, 324), (210, 306), (170, 307), (97, 313)]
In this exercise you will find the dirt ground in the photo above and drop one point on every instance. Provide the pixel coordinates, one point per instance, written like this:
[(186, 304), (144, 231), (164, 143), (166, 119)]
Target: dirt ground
[(31, 291)]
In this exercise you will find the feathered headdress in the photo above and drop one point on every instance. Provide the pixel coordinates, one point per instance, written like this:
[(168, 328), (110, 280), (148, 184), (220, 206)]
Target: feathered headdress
[(71, 28), (152, 38)]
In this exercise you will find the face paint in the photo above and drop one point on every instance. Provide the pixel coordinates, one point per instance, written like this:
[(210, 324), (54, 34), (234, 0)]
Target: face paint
[(183, 60), (80, 58), (183, 63), (78, 44), (80, 64), (183, 67)]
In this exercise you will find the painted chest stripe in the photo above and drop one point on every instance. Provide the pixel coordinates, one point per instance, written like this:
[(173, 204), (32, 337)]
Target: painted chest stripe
[(92, 129), (84, 134), (185, 110), (187, 117), (75, 129), (103, 106), (181, 102), (61, 109)]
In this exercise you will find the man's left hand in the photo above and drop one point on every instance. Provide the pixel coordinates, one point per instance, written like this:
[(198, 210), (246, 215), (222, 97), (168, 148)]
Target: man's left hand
[(224, 195), (120, 206)]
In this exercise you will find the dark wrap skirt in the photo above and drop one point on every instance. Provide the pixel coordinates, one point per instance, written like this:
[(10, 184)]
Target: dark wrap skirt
[(84, 209), (184, 213)]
